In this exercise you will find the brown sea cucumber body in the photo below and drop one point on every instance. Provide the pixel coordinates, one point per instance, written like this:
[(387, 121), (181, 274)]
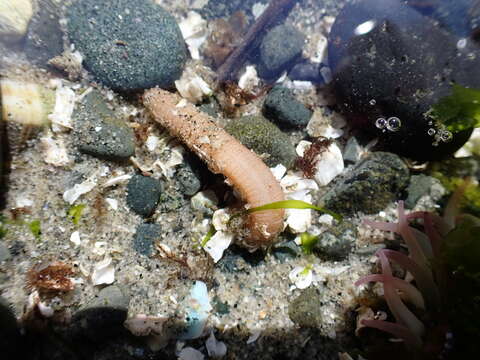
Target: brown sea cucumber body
[(224, 155)]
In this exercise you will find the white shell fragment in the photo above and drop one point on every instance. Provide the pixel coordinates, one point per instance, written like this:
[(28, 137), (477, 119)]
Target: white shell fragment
[(113, 203), (143, 325), (103, 272), (190, 353), (75, 238), (255, 335), (471, 147), (215, 348), (198, 311), (218, 243), (328, 126), (328, 163), (249, 79), (192, 87), (194, 31), (296, 187), (301, 276), (61, 117), (71, 195), (24, 103), (55, 152)]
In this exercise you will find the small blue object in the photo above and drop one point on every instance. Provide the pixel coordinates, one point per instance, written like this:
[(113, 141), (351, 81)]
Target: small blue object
[(197, 313)]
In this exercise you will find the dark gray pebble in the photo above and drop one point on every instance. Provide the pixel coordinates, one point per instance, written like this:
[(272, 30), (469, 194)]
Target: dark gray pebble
[(284, 109), (143, 194), (279, 50)]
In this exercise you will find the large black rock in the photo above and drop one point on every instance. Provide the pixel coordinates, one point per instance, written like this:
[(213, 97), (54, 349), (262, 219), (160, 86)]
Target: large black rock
[(389, 60)]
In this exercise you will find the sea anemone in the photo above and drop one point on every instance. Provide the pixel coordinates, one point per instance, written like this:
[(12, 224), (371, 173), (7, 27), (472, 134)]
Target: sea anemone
[(423, 263)]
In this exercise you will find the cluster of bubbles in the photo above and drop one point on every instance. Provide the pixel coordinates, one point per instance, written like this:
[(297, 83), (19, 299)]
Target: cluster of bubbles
[(391, 124), (440, 135)]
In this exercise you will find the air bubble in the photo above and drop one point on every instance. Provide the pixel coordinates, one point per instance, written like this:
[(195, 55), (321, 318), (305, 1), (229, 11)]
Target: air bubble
[(394, 124), (431, 132), (446, 136), (381, 123), (373, 102)]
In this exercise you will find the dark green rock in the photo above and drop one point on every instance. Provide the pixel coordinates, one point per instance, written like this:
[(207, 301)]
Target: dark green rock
[(143, 194), (419, 186), (263, 137), (286, 250), (127, 45), (99, 132), (306, 309), (337, 242), (284, 109), (145, 237), (221, 308), (44, 38), (370, 186), (279, 49)]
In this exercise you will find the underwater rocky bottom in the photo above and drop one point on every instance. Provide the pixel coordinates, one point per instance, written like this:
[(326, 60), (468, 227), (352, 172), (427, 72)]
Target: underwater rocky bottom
[(255, 179)]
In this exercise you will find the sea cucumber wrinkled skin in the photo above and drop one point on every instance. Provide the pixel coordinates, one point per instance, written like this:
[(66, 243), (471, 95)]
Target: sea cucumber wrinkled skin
[(223, 154)]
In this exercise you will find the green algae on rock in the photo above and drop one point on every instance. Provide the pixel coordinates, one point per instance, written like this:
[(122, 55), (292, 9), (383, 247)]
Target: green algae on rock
[(127, 45), (263, 137), (369, 186)]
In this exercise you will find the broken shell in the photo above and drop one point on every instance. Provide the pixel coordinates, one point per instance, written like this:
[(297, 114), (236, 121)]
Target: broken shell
[(25, 103)]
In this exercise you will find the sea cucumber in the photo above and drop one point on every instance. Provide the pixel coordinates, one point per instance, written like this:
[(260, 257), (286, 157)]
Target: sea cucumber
[(223, 154)]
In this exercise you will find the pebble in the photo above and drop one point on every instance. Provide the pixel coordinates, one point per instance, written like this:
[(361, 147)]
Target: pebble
[(132, 46), (263, 137), (4, 253), (420, 185), (306, 309), (14, 18), (145, 237), (188, 179), (279, 49), (143, 194), (352, 151), (45, 37), (284, 109), (369, 186), (337, 242), (99, 132)]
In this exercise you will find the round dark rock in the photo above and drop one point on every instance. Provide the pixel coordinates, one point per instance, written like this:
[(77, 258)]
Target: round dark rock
[(263, 137), (306, 71), (127, 45), (279, 50), (144, 238), (99, 132), (370, 186), (143, 194), (388, 60), (284, 109)]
